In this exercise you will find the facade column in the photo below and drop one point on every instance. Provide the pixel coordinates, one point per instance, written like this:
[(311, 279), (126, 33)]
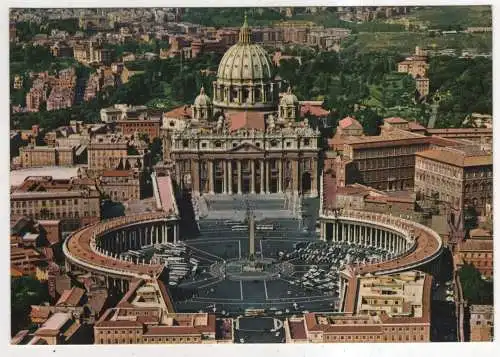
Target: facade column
[(211, 177), (261, 166), (267, 177), (230, 177), (335, 238), (314, 178), (195, 176), (295, 176), (239, 176), (280, 176), (252, 180)]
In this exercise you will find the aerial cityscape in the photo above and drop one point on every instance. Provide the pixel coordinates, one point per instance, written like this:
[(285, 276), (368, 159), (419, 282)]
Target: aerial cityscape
[(251, 175)]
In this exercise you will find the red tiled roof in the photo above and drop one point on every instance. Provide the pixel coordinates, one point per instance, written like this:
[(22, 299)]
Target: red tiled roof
[(71, 297), (297, 330), (395, 120), (312, 109), (15, 271), (166, 296), (165, 189), (479, 232), (247, 120), (476, 245), (460, 131), (416, 126), (116, 173), (348, 121), (40, 312), (183, 111), (456, 158)]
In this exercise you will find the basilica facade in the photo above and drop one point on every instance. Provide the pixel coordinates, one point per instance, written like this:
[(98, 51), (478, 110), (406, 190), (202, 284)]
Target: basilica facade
[(248, 137)]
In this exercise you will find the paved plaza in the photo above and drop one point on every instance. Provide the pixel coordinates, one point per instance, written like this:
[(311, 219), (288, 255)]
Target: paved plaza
[(219, 242)]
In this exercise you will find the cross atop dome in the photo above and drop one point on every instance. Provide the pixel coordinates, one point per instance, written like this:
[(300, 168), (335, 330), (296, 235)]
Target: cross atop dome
[(245, 32)]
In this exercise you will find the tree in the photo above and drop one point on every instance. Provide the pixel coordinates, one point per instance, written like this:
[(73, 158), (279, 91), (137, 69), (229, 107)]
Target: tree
[(370, 120), (475, 289), (155, 148), (24, 292)]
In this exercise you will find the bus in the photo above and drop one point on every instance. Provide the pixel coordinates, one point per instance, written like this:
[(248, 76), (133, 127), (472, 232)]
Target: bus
[(239, 228), (265, 227), (254, 312)]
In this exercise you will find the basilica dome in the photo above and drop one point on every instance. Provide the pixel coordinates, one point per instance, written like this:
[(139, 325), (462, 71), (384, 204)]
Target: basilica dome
[(245, 62), (245, 78)]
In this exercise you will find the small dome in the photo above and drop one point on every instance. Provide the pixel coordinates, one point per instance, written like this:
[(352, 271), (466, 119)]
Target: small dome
[(202, 100), (289, 98)]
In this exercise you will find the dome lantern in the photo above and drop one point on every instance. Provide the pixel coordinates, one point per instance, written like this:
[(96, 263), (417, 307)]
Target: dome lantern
[(245, 33)]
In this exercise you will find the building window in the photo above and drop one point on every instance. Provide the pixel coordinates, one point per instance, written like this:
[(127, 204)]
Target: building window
[(185, 143), (203, 145)]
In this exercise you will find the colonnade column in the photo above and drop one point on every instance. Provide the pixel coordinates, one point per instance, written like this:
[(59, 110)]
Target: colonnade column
[(262, 173), (252, 180), (280, 176), (229, 178), (267, 177), (335, 238), (211, 177), (238, 163)]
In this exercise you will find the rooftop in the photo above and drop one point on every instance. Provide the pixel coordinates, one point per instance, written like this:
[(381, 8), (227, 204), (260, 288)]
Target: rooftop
[(247, 120), (349, 121), (56, 321), (71, 297), (403, 291), (457, 157), (17, 177)]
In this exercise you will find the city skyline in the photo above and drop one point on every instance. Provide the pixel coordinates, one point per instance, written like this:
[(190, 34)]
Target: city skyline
[(262, 175)]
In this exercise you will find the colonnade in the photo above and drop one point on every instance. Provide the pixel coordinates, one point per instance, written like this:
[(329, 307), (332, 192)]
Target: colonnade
[(138, 236), (364, 235)]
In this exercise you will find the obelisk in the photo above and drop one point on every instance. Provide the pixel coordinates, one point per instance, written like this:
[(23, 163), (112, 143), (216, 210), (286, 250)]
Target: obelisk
[(251, 231)]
